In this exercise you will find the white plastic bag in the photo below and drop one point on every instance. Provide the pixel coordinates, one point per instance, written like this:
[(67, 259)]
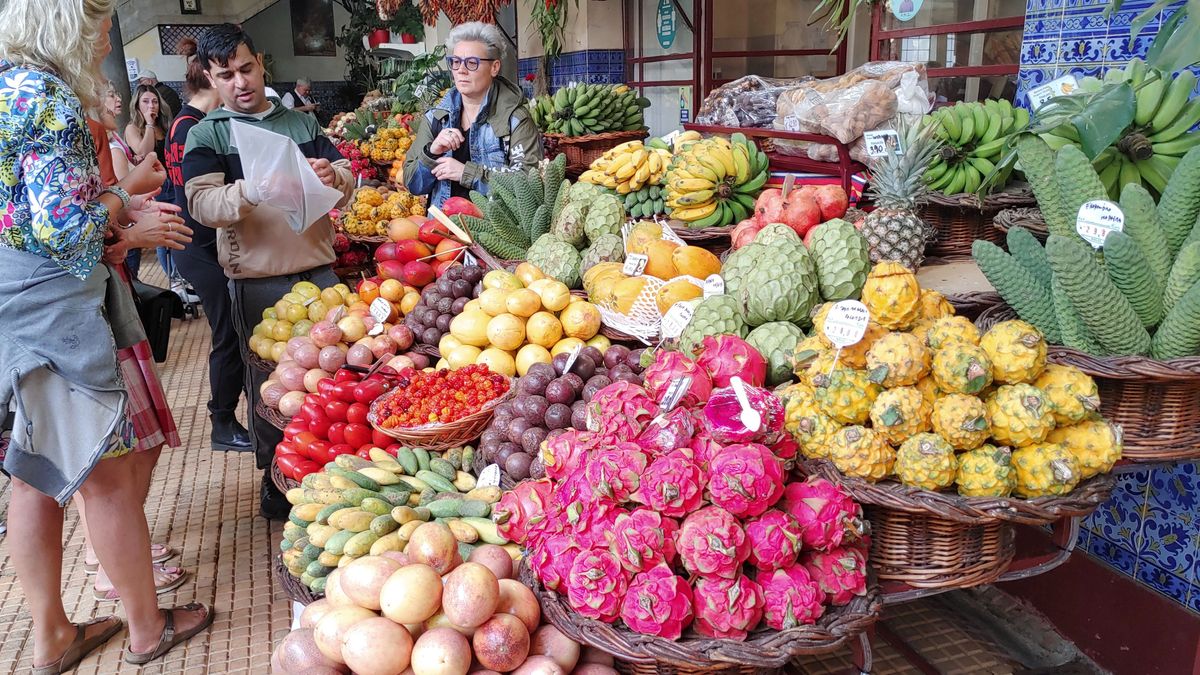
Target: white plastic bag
[(912, 98), (280, 175)]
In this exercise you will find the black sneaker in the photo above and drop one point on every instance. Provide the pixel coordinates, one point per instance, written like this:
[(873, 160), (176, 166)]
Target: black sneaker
[(272, 504)]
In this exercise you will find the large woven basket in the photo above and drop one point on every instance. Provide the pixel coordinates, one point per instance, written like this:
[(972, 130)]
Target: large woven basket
[(972, 304), (717, 240), (958, 220), (282, 482), (765, 651), (292, 586), (271, 415), (581, 151), (1156, 403), (259, 363), (441, 436), (1028, 218), (925, 551)]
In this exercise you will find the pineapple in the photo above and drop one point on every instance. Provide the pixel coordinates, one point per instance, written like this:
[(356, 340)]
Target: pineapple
[(934, 305), (897, 360), (1018, 351), (1072, 391), (846, 394), (899, 414), (862, 453), (1020, 415), (986, 472), (806, 423), (893, 296), (962, 368), (962, 420), (893, 230), (1096, 445), (950, 328), (1045, 469), (926, 461)]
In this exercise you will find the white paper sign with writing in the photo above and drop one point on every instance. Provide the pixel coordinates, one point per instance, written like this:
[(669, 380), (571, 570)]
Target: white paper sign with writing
[(714, 285), (882, 141), (1062, 86), (1096, 219), (847, 323), (676, 319), (635, 264)]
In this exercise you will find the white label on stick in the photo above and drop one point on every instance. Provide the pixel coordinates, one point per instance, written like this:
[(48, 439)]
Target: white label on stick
[(1096, 219), (571, 358), (676, 319), (1062, 86), (714, 285), (675, 392), (635, 264), (881, 141), (847, 323), (377, 329), (381, 309), (489, 477)]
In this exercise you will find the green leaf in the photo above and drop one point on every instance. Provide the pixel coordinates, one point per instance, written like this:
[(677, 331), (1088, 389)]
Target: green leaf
[(1147, 16), (1104, 118), (1174, 48)]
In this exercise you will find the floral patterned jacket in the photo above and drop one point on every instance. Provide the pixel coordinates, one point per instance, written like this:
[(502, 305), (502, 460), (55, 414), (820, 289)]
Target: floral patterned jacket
[(49, 176)]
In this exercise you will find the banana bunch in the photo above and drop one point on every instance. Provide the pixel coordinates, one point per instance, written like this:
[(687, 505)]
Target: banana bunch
[(975, 135), (584, 109), (628, 167), (647, 202), (1150, 149), (715, 181)]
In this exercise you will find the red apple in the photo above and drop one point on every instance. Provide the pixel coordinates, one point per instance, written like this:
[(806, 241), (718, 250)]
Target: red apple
[(833, 201), (458, 205), (429, 232), (417, 273), (410, 250)]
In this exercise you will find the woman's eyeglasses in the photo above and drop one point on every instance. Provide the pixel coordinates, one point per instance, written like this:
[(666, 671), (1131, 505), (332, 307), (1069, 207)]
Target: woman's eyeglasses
[(471, 63)]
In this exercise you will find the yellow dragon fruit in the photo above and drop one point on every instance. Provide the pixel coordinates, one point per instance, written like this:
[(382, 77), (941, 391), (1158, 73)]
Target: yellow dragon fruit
[(846, 395), (862, 453), (1017, 350), (1020, 415), (900, 413), (897, 360), (986, 471), (926, 461), (962, 420), (892, 295), (1096, 444), (1072, 392), (962, 368), (1045, 469), (950, 329)]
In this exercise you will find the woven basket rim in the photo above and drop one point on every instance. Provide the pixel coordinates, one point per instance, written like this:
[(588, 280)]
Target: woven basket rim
[(259, 363), (454, 429), (723, 233), (1014, 194), (1081, 501), (271, 415), (282, 482), (368, 238), (563, 139), (764, 649), (1029, 218), (296, 591)]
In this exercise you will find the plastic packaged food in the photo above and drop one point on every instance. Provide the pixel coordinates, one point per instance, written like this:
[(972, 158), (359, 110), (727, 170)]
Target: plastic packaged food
[(746, 102)]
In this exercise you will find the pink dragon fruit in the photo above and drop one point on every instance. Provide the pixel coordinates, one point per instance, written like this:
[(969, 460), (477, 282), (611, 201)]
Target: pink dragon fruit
[(597, 585), (659, 603), (593, 522), (614, 471), (667, 432), (774, 540), (723, 356), (711, 543), (620, 410), (521, 508), (673, 485), (745, 479), (727, 608), (642, 539), (704, 448), (785, 448), (670, 366), (552, 558), (841, 573), (722, 416), (792, 598), (827, 514), (566, 452)]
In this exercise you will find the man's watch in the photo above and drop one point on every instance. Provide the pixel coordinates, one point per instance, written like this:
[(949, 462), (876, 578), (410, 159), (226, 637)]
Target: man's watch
[(120, 193)]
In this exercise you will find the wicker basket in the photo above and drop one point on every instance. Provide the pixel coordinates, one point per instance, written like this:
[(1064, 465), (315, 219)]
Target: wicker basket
[(295, 590), (259, 363), (282, 482), (442, 436), (353, 274), (368, 239), (762, 652), (478, 465), (271, 415), (1156, 403), (971, 305), (581, 151), (924, 551), (1028, 218), (959, 220)]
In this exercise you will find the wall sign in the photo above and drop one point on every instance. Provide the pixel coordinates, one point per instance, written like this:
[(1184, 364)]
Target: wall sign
[(666, 23), (1062, 86), (905, 10)]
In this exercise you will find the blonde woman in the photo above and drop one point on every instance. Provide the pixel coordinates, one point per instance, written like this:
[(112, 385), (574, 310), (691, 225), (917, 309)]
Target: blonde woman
[(61, 316)]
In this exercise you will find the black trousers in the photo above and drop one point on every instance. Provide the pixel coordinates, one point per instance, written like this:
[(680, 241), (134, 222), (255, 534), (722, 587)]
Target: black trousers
[(226, 369), (250, 298)]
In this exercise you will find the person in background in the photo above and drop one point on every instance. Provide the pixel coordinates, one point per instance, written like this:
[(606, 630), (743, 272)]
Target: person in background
[(298, 98), (260, 252), (119, 151), (200, 266), (166, 93), (481, 125), (147, 133), (62, 316)]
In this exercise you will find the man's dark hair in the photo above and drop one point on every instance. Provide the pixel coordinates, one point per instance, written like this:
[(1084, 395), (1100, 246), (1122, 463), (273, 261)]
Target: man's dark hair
[(219, 43)]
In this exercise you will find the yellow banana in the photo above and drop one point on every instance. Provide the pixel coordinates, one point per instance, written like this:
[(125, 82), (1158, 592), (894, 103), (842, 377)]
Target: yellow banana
[(626, 170), (692, 185), (713, 163), (703, 171), (642, 173), (741, 160), (618, 163), (609, 182), (696, 198), (627, 145), (624, 188), (655, 162), (592, 176), (695, 213)]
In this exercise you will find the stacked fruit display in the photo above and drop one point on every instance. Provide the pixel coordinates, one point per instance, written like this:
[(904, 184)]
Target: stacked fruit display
[(801, 209), (924, 397), (519, 319), (373, 208), (417, 251), (519, 208), (429, 611), (669, 513), (1141, 298), (715, 181), (975, 135), (388, 144), (551, 398), (360, 164), (440, 302), (583, 109), (439, 397)]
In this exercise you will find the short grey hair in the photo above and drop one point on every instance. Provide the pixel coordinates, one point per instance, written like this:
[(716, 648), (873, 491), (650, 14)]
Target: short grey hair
[(303, 82), (477, 31)]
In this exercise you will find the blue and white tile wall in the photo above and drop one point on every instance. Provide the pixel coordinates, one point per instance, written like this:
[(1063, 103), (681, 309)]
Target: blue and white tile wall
[(1149, 530), (594, 66)]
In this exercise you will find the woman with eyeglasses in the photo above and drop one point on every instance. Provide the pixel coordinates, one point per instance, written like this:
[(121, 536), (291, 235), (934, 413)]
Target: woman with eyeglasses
[(481, 125)]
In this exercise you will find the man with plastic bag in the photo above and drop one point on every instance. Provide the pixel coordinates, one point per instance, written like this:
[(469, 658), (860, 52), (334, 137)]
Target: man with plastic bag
[(270, 236)]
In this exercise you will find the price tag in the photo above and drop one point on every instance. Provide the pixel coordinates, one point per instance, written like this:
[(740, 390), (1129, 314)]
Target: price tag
[(714, 285), (1096, 219), (676, 319), (669, 139), (377, 329), (635, 264), (572, 357), (791, 123), (381, 309), (489, 477), (882, 141), (847, 323), (675, 392), (1062, 86)]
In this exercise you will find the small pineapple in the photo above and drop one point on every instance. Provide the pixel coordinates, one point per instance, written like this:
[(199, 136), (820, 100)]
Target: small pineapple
[(1020, 415), (900, 413), (929, 389), (894, 231), (806, 423), (934, 305), (926, 461), (892, 295), (1018, 351), (1072, 391), (1096, 444), (962, 368), (846, 394), (897, 360), (950, 328), (862, 453), (986, 471), (962, 420), (1045, 469)]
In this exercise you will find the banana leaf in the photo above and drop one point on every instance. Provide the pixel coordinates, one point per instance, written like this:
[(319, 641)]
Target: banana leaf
[(1174, 46), (1100, 118)]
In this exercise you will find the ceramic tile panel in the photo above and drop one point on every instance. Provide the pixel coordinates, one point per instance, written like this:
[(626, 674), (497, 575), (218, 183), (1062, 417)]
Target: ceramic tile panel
[(596, 66)]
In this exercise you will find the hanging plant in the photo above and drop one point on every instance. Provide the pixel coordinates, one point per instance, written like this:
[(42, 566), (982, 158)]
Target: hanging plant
[(461, 11), (550, 19), (837, 15)]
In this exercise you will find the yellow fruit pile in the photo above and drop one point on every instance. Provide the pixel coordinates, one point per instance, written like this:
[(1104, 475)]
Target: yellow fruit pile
[(372, 208), (518, 320), (387, 145), (628, 167)]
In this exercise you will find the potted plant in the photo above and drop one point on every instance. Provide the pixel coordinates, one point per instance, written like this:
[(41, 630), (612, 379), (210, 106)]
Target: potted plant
[(406, 22)]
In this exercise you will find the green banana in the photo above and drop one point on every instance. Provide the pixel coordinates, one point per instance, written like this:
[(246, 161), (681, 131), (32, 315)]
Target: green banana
[(1178, 92), (1149, 97)]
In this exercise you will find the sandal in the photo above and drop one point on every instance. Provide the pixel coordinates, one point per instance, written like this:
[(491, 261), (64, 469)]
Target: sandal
[(111, 595), (81, 646), (169, 638), (164, 554)]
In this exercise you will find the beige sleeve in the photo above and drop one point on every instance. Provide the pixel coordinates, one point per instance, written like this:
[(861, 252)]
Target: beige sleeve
[(343, 180), (213, 203)]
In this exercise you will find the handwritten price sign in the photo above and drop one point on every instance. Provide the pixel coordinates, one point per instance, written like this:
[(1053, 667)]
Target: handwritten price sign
[(635, 264), (847, 323), (1096, 219), (676, 319), (880, 143)]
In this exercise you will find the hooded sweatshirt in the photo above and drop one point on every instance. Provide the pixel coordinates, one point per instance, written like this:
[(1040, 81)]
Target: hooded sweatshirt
[(255, 241)]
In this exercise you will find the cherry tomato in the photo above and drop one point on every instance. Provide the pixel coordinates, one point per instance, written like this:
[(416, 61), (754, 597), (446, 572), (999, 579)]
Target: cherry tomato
[(319, 452), (393, 449), (344, 391), (365, 451), (325, 386), (336, 410), (303, 441), (358, 434), (340, 449), (368, 391), (313, 411), (313, 399), (357, 413), (344, 375), (336, 433), (295, 427)]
